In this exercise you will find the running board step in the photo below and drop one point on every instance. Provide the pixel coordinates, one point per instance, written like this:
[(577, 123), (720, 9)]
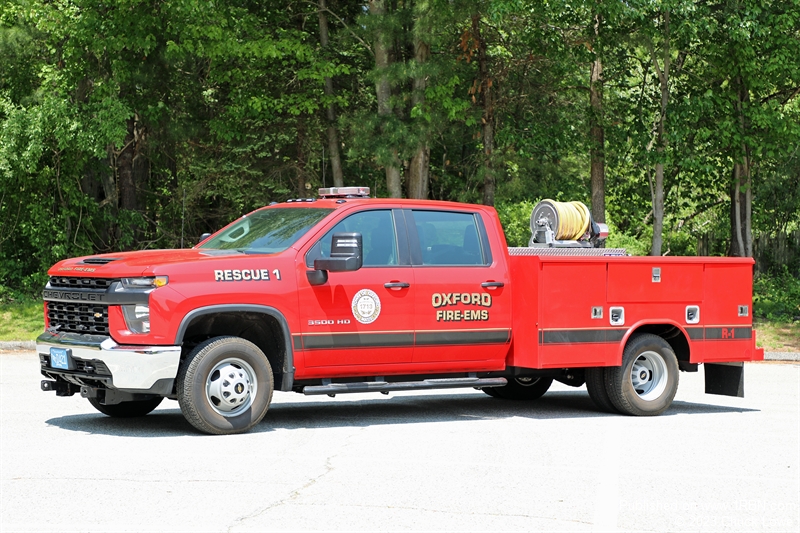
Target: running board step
[(383, 386)]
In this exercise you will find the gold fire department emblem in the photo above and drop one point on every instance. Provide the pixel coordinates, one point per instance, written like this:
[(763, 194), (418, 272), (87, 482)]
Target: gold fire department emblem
[(366, 306)]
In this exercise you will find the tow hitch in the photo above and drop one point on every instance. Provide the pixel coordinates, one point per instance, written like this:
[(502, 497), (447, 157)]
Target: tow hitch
[(62, 388)]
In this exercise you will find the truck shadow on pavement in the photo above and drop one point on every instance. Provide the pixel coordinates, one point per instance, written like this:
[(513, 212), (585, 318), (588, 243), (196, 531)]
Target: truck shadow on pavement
[(373, 411)]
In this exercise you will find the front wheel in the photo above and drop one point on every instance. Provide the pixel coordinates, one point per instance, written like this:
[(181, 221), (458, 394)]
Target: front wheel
[(647, 381), (130, 409), (225, 386), (524, 388), (490, 391)]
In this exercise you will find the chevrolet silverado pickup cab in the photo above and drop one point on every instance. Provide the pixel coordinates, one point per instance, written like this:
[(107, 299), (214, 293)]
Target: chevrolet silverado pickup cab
[(347, 293)]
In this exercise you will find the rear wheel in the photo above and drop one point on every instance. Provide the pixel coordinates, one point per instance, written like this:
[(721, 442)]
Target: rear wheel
[(596, 385), (524, 388), (647, 381), (126, 409), (225, 386)]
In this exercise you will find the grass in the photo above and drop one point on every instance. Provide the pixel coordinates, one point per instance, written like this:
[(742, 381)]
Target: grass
[(778, 336), (21, 320)]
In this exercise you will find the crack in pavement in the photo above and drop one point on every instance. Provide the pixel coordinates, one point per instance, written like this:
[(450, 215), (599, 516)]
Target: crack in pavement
[(296, 493), (440, 511), (292, 496)]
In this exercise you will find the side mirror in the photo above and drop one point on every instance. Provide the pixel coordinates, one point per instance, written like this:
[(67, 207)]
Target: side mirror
[(346, 256), (204, 236)]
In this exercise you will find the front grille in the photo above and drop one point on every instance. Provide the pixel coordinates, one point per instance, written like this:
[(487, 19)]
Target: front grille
[(78, 318), (72, 282)]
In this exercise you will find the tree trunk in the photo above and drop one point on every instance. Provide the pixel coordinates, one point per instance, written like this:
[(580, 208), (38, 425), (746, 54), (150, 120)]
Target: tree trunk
[(661, 138), (126, 185), (300, 184), (377, 8), (737, 248), (597, 134), (487, 120), (658, 210), (419, 173), (419, 169), (333, 135), (109, 182), (741, 190), (132, 170)]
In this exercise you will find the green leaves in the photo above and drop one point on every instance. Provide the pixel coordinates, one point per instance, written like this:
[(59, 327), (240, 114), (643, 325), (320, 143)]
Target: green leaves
[(226, 102)]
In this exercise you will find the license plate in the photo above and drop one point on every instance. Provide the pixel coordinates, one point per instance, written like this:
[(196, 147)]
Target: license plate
[(59, 358)]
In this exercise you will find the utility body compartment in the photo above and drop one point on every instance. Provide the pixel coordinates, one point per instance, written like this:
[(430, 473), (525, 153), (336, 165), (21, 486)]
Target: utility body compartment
[(579, 310)]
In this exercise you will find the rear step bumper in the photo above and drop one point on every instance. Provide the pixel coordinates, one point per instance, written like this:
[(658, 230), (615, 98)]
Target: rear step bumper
[(383, 386)]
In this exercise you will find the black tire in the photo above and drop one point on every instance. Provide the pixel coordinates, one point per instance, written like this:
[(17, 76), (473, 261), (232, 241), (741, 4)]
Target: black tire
[(524, 388), (596, 385), (650, 391), (218, 373), (127, 409), (490, 391)]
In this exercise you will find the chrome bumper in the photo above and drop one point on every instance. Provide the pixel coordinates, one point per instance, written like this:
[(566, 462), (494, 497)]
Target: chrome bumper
[(131, 367)]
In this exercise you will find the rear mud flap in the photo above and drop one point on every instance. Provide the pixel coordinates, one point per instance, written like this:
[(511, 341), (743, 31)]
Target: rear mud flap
[(725, 379)]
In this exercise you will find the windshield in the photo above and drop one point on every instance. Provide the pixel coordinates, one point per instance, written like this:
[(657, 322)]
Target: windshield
[(267, 231)]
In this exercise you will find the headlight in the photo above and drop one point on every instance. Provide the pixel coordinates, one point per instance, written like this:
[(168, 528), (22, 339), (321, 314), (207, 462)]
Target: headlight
[(144, 283), (137, 318)]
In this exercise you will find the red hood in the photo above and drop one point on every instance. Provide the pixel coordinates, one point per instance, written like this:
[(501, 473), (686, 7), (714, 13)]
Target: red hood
[(129, 264)]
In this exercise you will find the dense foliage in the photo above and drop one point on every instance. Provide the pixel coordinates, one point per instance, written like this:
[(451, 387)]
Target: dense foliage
[(138, 124), (776, 296)]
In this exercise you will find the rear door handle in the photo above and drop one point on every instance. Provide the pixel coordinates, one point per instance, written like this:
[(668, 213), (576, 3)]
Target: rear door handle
[(492, 284), (396, 285)]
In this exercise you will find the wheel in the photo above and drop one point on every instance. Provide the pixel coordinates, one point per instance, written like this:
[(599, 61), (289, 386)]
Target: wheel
[(524, 388), (127, 409), (490, 391), (225, 386), (596, 385), (647, 381)]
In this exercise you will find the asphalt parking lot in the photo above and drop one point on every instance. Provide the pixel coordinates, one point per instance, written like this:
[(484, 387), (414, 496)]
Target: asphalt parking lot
[(444, 461)]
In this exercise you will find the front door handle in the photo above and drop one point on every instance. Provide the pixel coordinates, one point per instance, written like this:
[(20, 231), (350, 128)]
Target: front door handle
[(492, 284), (396, 285)]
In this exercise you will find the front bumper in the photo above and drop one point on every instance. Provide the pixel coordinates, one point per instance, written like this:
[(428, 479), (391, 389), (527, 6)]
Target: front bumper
[(101, 361)]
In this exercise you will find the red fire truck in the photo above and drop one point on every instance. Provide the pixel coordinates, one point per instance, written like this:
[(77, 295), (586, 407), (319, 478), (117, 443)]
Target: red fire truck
[(345, 293)]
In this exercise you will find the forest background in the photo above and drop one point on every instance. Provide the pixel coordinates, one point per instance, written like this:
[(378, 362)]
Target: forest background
[(130, 124)]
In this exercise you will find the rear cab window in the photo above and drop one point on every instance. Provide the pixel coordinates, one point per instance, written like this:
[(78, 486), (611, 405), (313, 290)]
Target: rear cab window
[(451, 238)]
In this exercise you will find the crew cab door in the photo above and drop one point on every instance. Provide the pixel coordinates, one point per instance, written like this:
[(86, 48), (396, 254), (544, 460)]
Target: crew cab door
[(364, 317), (463, 299)]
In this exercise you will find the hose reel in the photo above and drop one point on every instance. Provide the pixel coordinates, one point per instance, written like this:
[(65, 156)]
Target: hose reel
[(565, 225)]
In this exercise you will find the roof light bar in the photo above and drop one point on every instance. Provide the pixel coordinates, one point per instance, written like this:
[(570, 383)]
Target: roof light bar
[(344, 192)]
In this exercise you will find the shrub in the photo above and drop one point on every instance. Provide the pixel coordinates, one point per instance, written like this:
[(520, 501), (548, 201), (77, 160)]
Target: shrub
[(776, 296)]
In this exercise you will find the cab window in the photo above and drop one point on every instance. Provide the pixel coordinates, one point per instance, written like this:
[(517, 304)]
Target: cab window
[(448, 238), (377, 234)]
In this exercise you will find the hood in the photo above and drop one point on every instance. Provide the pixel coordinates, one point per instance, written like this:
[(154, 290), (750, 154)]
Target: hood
[(130, 264)]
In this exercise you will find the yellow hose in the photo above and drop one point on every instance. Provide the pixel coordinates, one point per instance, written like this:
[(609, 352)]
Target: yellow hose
[(573, 217)]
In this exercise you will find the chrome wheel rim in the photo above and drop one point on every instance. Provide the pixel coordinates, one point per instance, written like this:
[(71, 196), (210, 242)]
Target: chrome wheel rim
[(649, 376), (231, 386)]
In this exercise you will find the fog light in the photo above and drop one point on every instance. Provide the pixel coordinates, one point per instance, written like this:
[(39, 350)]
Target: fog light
[(137, 318)]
